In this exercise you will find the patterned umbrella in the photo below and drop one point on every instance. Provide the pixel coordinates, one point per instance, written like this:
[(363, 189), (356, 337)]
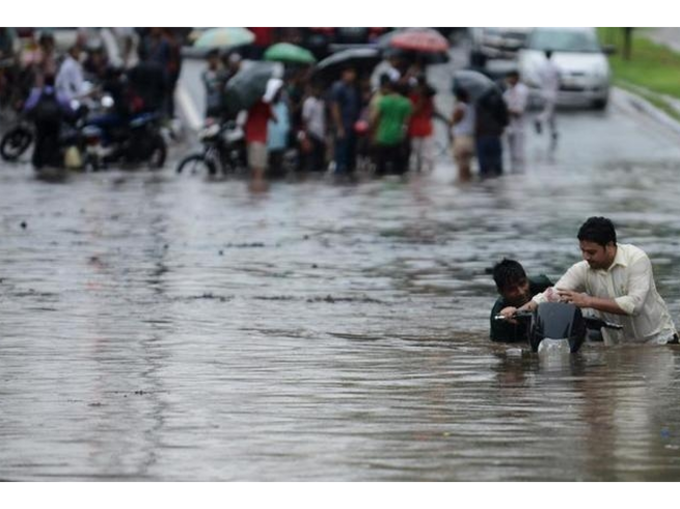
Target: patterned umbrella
[(289, 53), (423, 40), (224, 38)]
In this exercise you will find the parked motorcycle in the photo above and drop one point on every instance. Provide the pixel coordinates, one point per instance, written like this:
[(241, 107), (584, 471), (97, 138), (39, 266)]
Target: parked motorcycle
[(16, 141), (135, 140), (223, 150)]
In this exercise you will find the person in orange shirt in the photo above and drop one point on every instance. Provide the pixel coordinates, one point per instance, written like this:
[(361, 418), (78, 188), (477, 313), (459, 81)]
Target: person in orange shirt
[(420, 127)]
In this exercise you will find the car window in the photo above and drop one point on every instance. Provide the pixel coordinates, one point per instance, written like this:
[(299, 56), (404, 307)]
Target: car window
[(576, 41)]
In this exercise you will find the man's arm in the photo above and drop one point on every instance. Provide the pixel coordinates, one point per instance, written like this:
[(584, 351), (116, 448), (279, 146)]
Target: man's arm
[(457, 116), (503, 331), (336, 114), (337, 119), (374, 116), (583, 300), (639, 284), (574, 280)]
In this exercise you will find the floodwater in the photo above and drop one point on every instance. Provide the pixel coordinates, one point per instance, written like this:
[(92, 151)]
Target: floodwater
[(162, 327)]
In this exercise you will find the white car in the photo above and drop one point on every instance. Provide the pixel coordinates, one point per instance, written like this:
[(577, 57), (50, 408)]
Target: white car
[(584, 69), (491, 43)]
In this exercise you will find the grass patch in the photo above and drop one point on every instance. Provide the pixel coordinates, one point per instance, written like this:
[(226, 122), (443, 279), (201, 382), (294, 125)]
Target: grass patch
[(652, 66)]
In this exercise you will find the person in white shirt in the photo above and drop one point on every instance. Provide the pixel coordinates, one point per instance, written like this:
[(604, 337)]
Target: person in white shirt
[(516, 97), (463, 131), (549, 75), (314, 130), (70, 79), (617, 282), (389, 66)]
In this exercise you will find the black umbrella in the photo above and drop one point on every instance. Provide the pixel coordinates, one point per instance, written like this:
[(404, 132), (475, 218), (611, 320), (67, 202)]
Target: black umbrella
[(474, 83), (249, 84), (361, 59)]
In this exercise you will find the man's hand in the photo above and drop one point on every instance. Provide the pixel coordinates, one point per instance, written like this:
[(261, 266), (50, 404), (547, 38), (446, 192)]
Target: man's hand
[(581, 300), (508, 314)]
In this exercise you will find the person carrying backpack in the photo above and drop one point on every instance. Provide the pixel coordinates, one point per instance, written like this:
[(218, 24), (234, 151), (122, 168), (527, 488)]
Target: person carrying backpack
[(491, 119), (48, 109)]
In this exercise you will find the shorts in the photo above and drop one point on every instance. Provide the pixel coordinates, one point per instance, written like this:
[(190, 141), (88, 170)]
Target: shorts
[(463, 149), (257, 155)]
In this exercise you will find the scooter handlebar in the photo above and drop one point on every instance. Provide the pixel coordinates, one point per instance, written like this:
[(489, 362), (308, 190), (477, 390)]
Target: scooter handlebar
[(519, 315), (596, 323)]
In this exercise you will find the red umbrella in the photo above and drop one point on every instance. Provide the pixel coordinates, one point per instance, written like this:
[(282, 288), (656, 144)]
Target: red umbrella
[(422, 40)]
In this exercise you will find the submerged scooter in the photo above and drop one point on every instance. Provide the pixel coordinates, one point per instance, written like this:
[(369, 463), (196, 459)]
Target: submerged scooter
[(559, 322)]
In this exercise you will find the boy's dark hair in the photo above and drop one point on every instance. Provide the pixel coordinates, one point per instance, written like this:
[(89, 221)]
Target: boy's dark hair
[(507, 273), (385, 81), (599, 230), (512, 74), (461, 94)]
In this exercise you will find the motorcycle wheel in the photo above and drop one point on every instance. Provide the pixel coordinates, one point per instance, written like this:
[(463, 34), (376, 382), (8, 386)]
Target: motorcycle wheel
[(158, 154), (15, 142), (196, 164)]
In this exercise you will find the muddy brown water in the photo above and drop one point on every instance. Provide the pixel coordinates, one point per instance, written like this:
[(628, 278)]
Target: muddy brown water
[(154, 327)]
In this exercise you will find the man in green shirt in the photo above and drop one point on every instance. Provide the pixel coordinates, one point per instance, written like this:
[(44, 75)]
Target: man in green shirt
[(390, 121), (515, 289)]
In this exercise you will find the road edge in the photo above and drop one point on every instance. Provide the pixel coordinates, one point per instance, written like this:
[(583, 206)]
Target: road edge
[(642, 105)]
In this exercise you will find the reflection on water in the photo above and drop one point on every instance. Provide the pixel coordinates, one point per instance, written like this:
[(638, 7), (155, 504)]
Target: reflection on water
[(160, 328)]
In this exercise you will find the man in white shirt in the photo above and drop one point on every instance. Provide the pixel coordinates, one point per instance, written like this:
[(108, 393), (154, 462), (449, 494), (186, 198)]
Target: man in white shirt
[(70, 79), (389, 66), (549, 74), (616, 281), (516, 97), (314, 124)]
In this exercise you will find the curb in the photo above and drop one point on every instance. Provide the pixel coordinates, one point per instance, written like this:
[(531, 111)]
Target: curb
[(644, 106)]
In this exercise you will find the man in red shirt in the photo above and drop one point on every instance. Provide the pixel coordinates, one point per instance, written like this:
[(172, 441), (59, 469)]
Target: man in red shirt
[(420, 127), (256, 130)]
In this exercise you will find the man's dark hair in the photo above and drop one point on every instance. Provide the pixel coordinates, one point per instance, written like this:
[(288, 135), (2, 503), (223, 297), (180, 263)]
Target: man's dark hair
[(512, 74), (599, 230), (386, 81), (507, 273)]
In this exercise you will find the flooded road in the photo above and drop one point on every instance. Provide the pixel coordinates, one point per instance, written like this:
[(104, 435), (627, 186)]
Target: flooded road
[(163, 327)]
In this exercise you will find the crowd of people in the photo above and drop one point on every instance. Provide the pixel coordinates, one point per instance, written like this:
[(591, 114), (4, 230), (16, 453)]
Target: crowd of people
[(138, 71), (383, 118), (480, 126), (146, 59)]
